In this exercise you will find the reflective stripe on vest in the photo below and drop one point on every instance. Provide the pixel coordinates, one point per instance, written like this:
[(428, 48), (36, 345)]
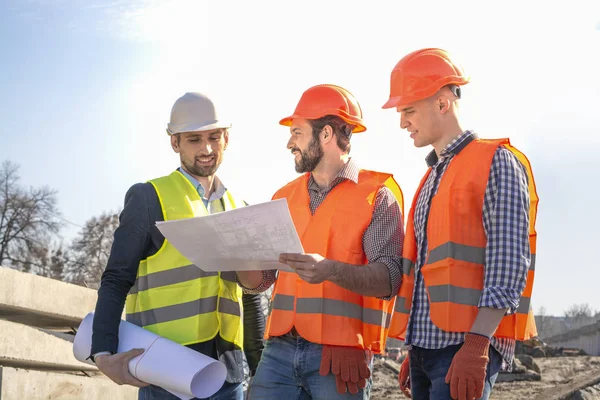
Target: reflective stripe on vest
[(173, 297), (175, 275), (407, 273), (327, 313), (332, 307), (453, 272)]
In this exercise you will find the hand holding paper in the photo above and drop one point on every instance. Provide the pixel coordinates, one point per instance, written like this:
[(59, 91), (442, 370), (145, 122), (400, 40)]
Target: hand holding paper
[(116, 367), (313, 268), (176, 368)]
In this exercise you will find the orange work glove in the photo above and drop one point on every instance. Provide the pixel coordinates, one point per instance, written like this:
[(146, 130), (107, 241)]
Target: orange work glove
[(348, 364), (404, 377), (466, 375)]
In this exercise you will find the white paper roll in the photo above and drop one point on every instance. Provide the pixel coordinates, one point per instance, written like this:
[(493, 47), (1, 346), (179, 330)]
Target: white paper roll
[(176, 368)]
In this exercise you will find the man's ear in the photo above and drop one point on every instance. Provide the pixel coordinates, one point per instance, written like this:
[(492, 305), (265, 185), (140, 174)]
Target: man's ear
[(326, 134), (443, 104), (175, 143)]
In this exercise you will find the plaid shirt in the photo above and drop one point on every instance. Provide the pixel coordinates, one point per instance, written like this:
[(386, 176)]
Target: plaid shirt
[(507, 255), (383, 238)]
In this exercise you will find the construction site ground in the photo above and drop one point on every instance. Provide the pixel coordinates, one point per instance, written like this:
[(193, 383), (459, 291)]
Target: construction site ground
[(557, 372)]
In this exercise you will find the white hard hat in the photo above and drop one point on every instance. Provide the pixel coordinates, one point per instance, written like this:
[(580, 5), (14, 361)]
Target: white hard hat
[(194, 112)]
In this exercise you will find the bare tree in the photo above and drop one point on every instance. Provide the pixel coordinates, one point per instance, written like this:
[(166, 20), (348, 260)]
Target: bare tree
[(579, 315), (29, 218), (90, 250), (48, 261), (542, 321)]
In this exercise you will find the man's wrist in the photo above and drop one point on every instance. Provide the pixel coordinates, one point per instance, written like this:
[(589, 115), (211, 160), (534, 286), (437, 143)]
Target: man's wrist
[(334, 271), (477, 342), (479, 334)]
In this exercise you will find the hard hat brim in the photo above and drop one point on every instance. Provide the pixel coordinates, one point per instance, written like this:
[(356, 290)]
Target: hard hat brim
[(406, 99), (358, 128), (175, 129), (392, 102), (403, 101)]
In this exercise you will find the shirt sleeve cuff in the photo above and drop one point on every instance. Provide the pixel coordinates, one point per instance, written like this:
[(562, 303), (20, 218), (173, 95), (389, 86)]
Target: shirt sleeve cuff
[(500, 297), (268, 278), (394, 268), (93, 356)]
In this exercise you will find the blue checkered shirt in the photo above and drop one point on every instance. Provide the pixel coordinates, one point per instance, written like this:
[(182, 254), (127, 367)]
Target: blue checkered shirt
[(507, 255)]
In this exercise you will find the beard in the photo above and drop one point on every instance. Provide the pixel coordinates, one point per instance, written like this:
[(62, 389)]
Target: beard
[(202, 170), (310, 158)]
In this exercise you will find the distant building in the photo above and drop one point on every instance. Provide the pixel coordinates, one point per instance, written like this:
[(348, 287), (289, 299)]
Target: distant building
[(586, 338), (548, 325)]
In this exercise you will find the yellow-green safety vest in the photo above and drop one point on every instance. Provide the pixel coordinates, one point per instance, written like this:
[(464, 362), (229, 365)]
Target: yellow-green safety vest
[(173, 297)]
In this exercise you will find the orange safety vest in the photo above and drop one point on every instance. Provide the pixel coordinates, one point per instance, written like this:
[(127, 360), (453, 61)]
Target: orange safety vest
[(326, 313), (454, 270)]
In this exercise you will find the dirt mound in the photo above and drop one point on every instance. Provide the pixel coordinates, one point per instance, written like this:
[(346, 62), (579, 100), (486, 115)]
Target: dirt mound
[(556, 371), (385, 382)]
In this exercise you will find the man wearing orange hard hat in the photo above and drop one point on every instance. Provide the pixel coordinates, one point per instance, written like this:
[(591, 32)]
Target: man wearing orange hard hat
[(329, 317), (468, 257)]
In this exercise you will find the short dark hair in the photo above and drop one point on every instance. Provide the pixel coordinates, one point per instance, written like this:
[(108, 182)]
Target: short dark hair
[(341, 129)]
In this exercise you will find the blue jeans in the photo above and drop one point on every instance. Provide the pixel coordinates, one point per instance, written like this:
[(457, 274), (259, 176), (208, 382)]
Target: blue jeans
[(229, 391), (428, 369), (289, 370)]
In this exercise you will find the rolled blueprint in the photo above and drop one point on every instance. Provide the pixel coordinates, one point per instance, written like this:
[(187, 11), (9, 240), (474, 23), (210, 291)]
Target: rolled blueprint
[(176, 368)]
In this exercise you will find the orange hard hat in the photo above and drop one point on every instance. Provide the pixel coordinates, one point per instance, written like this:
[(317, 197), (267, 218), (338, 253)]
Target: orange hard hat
[(322, 100), (421, 74)]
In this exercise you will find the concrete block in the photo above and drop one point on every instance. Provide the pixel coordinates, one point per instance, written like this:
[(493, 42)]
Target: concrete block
[(43, 302), (27, 347), (41, 385)]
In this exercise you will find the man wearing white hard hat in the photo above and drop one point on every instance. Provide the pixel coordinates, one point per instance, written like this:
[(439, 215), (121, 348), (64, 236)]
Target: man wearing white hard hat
[(163, 291)]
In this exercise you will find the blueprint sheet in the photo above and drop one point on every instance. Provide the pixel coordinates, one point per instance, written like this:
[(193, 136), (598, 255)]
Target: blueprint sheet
[(244, 239)]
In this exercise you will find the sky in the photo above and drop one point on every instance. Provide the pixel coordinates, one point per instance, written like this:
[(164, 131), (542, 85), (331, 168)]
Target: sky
[(86, 89)]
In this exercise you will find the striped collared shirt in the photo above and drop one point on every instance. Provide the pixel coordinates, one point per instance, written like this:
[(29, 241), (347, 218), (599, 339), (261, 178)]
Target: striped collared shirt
[(507, 255)]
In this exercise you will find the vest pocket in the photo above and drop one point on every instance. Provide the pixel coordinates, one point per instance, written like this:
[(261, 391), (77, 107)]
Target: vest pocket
[(345, 240), (453, 289)]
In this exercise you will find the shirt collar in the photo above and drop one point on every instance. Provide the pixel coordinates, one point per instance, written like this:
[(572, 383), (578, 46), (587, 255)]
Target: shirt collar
[(220, 189), (453, 148), (349, 171)]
